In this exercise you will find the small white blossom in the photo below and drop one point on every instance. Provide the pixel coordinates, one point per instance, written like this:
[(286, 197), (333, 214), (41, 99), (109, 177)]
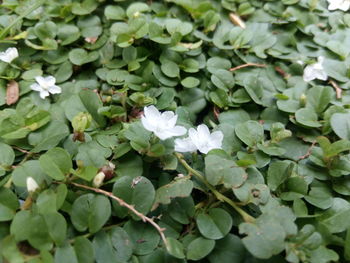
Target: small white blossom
[(32, 185), (98, 179), (315, 71), (204, 140), (339, 4), (161, 124), (45, 85), (9, 54), (185, 145)]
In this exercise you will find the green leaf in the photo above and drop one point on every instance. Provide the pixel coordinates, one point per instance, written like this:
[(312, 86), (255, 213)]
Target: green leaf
[(190, 82), (84, 250), (175, 248), (79, 56), (227, 250), (320, 196), (340, 123), (56, 163), (250, 132), (7, 156), (91, 212), (199, 248), (114, 245), (49, 136), (221, 170), (170, 69), (181, 187), (114, 12), (307, 117), (215, 224), (145, 232), (335, 217), (266, 236), (137, 191), (8, 204), (65, 253), (57, 227), (278, 172), (29, 169)]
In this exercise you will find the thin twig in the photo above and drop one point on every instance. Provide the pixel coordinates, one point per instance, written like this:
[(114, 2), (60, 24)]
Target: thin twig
[(122, 203), (308, 153), (248, 65), (20, 149), (338, 90)]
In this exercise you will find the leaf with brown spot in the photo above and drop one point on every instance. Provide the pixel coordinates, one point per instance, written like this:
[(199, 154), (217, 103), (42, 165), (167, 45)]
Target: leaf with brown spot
[(12, 92)]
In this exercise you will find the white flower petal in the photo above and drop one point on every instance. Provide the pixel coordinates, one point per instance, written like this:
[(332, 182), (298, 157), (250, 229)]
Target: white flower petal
[(41, 81), (146, 124), (161, 124), (203, 130), (44, 94), (193, 134), (55, 89), (50, 81), (185, 145), (32, 185), (163, 134), (36, 87), (169, 116), (151, 112), (343, 5), (204, 148), (315, 71), (178, 131), (216, 139), (9, 55)]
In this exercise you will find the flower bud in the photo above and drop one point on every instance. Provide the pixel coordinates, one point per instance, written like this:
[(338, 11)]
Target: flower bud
[(32, 185), (98, 180), (303, 99), (81, 122)]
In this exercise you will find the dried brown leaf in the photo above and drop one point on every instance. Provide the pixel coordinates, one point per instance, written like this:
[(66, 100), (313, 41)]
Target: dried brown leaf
[(12, 92)]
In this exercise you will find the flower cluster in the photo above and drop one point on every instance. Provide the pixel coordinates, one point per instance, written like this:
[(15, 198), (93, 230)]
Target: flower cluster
[(163, 125), (44, 85)]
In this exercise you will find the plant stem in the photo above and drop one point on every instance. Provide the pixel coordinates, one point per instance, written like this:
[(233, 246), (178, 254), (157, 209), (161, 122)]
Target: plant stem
[(14, 22), (219, 196)]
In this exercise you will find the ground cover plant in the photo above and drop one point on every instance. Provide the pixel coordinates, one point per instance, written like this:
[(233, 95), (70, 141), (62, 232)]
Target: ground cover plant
[(174, 131)]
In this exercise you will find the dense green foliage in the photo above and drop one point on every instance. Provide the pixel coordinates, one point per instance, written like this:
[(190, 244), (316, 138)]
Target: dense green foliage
[(277, 191)]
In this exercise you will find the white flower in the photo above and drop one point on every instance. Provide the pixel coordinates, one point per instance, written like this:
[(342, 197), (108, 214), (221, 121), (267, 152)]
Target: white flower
[(315, 71), (161, 124), (32, 185), (9, 55), (339, 4), (203, 140), (185, 145), (46, 86), (98, 179)]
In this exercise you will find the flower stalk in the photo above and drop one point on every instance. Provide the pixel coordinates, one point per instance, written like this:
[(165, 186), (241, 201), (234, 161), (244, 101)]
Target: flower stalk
[(246, 217)]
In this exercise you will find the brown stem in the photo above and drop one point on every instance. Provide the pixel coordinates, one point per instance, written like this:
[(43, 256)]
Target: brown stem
[(20, 149), (122, 203), (248, 65), (338, 90), (308, 153)]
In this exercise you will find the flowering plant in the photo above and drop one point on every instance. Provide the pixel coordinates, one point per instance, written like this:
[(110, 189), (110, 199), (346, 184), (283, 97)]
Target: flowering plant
[(174, 131)]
